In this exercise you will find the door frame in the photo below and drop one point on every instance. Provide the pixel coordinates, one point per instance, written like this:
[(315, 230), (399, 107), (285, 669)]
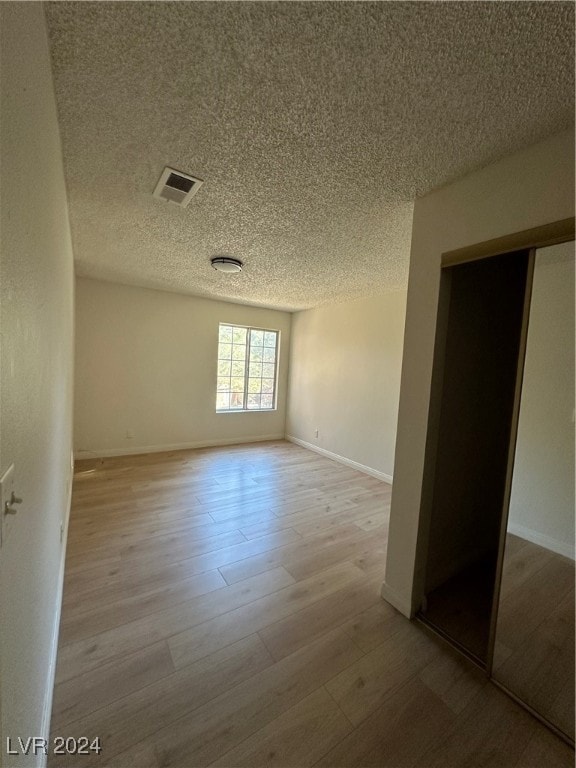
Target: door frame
[(553, 233)]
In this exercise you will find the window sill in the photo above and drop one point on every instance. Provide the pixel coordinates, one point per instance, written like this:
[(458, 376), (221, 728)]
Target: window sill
[(248, 410)]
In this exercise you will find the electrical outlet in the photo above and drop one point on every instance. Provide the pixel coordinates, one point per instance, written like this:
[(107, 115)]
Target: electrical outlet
[(316, 432), (129, 434), (6, 495)]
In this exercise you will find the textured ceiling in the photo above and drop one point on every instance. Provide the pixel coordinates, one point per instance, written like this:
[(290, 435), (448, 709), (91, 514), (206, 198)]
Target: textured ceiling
[(313, 125)]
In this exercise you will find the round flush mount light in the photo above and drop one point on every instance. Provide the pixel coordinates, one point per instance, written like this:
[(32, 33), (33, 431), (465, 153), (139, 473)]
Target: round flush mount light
[(226, 264)]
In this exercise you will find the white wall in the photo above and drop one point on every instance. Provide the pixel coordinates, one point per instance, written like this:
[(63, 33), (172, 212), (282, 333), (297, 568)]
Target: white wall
[(542, 498), (524, 190), (36, 296), (345, 379), (146, 363)]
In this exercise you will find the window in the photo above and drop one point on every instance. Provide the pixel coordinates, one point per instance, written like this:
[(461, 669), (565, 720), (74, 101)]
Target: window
[(247, 369)]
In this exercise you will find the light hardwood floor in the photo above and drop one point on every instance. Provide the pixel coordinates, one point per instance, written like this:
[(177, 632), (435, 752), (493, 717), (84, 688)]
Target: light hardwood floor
[(221, 607)]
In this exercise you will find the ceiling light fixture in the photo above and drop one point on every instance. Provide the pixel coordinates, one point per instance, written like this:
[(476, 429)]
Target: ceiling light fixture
[(226, 264)]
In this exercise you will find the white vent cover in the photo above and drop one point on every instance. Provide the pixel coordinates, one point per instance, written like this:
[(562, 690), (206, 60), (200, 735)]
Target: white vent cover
[(177, 187)]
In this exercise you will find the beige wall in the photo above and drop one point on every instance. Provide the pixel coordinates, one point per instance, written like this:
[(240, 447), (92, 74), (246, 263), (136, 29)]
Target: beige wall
[(527, 189), (345, 380), (36, 294), (542, 498), (146, 364)]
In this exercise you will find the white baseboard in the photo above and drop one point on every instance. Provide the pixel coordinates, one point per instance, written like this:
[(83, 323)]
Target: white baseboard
[(51, 671), (134, 450), (560, 547), (397, 601), (341, 459)]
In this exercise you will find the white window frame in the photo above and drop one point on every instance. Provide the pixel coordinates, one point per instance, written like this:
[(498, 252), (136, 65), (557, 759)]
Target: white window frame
[(249, 329)]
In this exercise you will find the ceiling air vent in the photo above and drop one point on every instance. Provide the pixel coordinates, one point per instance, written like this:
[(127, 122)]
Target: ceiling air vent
[(177, 187)]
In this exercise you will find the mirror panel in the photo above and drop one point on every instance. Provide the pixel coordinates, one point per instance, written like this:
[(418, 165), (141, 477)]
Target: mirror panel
[(534, 642)]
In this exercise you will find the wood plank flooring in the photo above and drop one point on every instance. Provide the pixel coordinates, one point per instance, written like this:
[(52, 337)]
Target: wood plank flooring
[(221, 607)]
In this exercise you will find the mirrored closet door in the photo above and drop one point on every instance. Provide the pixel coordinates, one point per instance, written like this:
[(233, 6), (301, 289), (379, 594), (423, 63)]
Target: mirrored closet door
[(534, 640), (495, 554)]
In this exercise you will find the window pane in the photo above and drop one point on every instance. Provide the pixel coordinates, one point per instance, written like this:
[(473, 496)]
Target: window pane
[(254, 386), (268, 385), (268, 370), (238, 352), (269, 354), (223, 384), (257, 354), (253, 401), (222, 400), (266, 401), (237, 368), (257, 338), (255, 370), (237, 384), (224, 351), (225, 335), (236, 400), (239, 335), (224, 368), (269, 339)]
